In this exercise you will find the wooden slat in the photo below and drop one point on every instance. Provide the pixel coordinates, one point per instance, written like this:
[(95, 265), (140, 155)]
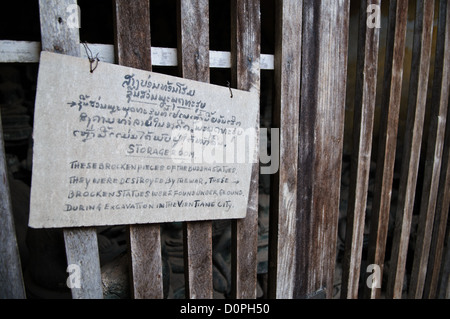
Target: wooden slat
[(283, 209), (444, 284), (132, 34), (338, 79), (441, 218), (11, 281), (133, 49), (56, 35), (81, 243), (198, 260), (435, 145), (245, 72), (19, 51), (390, 110), (366, 83), (82, 250), (324, 72), (193, 39), (193, 62), (412, 144)]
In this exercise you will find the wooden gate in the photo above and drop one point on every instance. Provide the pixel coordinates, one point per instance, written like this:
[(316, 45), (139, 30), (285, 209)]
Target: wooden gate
[(310, 64)]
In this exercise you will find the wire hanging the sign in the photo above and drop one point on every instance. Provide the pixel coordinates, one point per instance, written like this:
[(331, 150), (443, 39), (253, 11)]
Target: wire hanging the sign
[(229, 87), (93, 61)]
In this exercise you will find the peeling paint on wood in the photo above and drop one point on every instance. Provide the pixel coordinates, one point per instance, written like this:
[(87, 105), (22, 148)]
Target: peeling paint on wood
[(81, 244)]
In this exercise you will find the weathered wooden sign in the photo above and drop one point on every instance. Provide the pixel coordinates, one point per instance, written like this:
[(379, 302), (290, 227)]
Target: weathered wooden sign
[(126, 146)]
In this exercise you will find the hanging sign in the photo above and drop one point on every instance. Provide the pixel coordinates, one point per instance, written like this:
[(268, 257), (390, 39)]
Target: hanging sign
[(117, 145)]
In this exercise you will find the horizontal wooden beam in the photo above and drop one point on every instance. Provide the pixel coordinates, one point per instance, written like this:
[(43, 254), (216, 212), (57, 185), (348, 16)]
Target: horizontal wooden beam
[(28, 52)]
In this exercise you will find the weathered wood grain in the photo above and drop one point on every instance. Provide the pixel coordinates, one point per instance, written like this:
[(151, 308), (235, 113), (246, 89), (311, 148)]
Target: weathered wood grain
[(56, 35), (11, 280), (133, 49), (81, 244), (132, 34), (412, 144), (366, 84), (82, 251), (145, 261), (19, 51), (436, 258), (193, 62), (338, 74), (324, 72), (390, 110), (433, 161), (444, 283), (283, 204), (193, 39), (198, 275), (245, 72)]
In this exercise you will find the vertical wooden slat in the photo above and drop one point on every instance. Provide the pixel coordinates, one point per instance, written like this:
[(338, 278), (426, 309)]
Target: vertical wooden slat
[(193, 62), (133, 49), (56, 35), (82, 250), (435, 145), (338, 80), (366, 84), (245, 54), (305, 222), (442, 208), (81, 243), (390, 110), (132, 33), (412, 144), (284, 183), (193, 39), (444, 281), (324, 72), (11, 280)]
